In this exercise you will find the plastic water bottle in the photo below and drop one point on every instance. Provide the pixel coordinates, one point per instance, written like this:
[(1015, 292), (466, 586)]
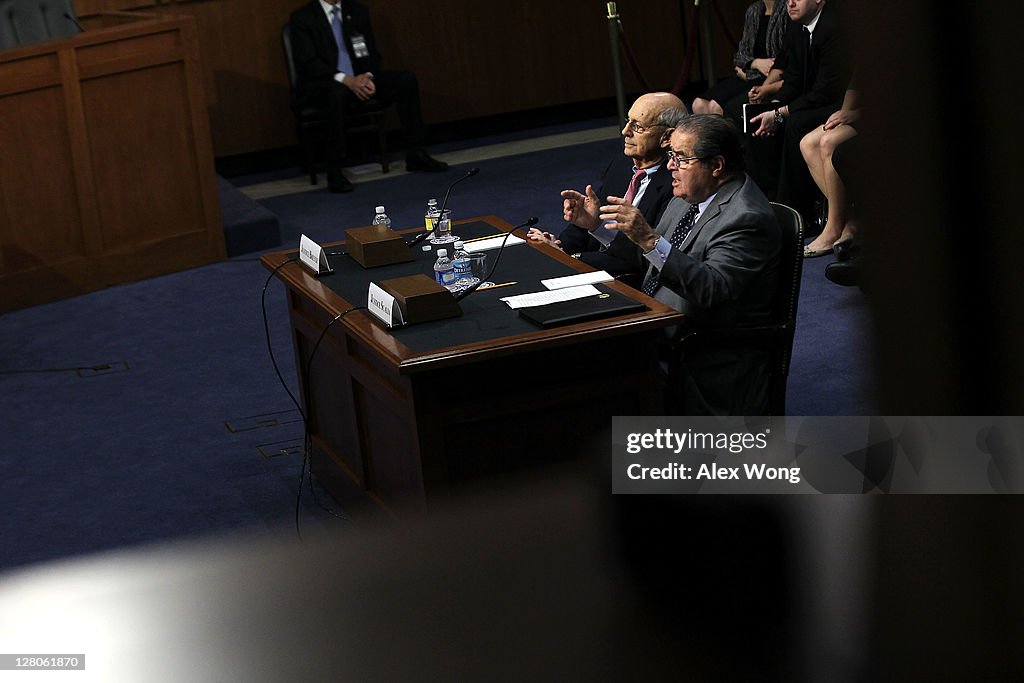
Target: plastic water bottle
[(463, 267), (381, 218), (444, 272), (431, 215)]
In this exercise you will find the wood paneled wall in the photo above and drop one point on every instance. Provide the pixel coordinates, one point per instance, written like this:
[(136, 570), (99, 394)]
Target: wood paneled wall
[(473, 58)]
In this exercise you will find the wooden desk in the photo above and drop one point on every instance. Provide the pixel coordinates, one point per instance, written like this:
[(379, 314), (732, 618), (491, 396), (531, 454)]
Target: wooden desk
[(518, 395)]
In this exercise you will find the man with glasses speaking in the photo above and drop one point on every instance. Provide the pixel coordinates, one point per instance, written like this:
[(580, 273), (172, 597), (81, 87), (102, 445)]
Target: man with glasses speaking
[(714, 255), (639, 175)]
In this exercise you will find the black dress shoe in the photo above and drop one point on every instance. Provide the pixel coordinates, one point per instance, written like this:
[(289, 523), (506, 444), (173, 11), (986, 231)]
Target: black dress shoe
[(421, 161), (846, 273)]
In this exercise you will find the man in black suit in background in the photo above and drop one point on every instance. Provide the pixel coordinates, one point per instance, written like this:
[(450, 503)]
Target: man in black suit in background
[(341, 81), (649, 122), (809, 79)]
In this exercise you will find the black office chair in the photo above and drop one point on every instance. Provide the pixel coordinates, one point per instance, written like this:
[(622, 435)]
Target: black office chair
[(23, 22), (776, 336), (365, 117)]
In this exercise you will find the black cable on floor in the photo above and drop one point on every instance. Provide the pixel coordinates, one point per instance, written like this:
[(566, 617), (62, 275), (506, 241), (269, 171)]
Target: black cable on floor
[(307, 444)]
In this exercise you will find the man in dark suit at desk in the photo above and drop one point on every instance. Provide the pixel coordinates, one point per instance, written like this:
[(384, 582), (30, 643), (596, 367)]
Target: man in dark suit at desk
[(341, 80), (714, 256), (639, 174)]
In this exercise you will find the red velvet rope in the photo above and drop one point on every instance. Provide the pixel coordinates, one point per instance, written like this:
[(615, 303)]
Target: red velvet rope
[(631, 58), (691, 45)]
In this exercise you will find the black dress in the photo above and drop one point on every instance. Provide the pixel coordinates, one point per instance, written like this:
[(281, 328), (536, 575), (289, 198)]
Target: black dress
[(733, 87)]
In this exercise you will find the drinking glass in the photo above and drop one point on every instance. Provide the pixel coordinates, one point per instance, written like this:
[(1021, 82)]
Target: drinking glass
[(442, 233), (478, 266)]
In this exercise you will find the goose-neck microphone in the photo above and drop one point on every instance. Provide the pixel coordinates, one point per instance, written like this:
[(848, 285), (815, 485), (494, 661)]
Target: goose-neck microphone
[(529, 223), (423, 235)]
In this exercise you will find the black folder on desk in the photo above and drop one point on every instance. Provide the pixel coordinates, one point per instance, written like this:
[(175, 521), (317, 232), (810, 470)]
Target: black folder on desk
[(606, 305)]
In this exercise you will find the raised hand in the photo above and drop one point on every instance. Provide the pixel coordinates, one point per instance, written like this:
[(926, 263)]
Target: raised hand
[(619, 214), (581, 209)]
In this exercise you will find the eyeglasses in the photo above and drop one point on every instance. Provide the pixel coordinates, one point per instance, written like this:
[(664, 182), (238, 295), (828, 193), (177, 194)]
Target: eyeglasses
[(681, 161), (637, 128)]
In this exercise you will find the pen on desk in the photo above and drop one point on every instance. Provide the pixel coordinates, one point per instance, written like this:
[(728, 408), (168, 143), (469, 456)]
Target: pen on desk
[(503, 284), (488, 237)]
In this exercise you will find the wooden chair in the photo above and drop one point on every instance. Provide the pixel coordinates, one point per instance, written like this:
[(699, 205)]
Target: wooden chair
[(365, 117)]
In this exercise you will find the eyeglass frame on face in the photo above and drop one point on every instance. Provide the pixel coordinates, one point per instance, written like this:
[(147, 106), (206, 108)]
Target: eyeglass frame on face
[(680, 161), (637, 128)]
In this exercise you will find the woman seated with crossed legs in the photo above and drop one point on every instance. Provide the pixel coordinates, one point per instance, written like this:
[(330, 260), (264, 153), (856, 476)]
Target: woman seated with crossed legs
[(817, 148)]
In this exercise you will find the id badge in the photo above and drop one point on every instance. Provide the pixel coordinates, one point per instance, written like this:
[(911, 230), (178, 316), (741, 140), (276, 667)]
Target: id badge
[(359, 47)]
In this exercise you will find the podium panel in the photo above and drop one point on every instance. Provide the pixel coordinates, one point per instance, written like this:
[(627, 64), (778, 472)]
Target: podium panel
[(107, 173)]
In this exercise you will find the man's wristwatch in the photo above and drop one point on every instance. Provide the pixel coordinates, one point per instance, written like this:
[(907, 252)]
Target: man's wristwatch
[(779, 118)]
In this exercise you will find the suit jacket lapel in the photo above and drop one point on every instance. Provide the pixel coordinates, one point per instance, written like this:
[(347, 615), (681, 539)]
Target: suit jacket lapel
[(673, 212), (725, 193), (654, 189), (323, 27)]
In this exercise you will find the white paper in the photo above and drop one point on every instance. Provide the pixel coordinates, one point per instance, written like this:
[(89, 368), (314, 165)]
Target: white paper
[(554, 296), (492, 243), (577, 280)]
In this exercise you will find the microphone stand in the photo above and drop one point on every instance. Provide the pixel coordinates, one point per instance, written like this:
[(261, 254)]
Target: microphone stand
[(423, 235)]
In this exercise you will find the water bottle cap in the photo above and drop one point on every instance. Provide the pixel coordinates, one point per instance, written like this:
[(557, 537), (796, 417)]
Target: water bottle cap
[(380, 209), (458, 244), (426, 247), (442, 252)]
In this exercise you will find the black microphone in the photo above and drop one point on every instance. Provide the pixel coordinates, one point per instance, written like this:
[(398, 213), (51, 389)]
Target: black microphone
[(529, 223), (423, 235), (69, 17)]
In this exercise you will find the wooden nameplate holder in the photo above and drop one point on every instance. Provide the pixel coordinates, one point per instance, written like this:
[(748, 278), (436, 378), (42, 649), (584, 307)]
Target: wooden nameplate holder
[(421, 298), (377, 245)]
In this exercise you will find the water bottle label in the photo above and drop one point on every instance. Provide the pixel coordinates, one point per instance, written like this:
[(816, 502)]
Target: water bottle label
[(445, 277), (463, 268)]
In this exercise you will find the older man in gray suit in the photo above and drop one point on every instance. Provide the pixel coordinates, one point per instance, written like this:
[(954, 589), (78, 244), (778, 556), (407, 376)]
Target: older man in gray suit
[(714, 255)]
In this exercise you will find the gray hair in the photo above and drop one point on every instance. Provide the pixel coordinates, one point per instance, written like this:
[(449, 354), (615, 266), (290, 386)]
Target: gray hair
[(670, 117), (716, 136)]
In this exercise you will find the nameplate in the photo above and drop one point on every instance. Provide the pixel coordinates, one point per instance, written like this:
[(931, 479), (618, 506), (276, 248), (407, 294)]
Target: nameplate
[(313, 257), (382, 305)]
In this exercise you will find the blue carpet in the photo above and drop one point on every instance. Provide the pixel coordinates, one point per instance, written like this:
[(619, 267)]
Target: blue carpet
[(514, 188), (141, 452)]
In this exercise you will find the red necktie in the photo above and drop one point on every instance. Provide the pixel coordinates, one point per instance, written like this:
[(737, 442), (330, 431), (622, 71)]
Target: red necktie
[(634, 185)]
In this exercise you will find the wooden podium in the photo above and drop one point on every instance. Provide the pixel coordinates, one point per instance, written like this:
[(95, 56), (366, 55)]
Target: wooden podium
[(106, 174)]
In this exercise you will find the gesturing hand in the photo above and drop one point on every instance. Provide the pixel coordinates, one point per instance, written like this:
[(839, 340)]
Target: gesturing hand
[(620, 214), (580, 209)]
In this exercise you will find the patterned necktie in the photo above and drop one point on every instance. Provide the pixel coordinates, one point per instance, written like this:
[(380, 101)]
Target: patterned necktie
[(634, 185), (344, 61), (679, 234)]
